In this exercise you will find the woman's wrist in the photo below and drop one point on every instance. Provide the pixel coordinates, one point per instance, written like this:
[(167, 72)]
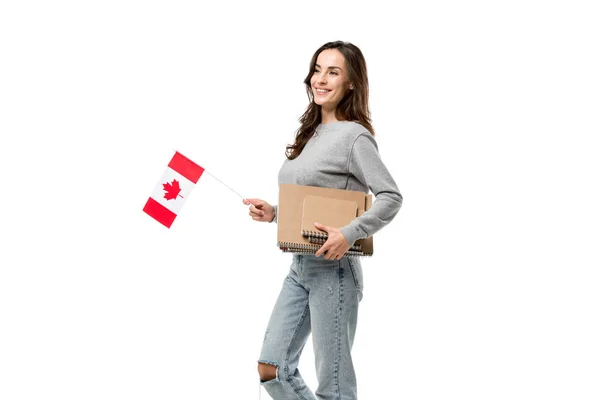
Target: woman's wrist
[(274, 219)]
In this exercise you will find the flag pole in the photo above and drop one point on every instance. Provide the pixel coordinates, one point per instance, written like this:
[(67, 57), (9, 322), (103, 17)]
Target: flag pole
[(242, 197), (224, 184)]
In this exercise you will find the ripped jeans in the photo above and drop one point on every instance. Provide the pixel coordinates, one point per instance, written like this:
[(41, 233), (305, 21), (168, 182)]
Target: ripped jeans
[(321, 297)]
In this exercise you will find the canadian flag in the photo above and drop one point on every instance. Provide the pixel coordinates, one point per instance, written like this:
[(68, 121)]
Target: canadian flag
[(172, 190)]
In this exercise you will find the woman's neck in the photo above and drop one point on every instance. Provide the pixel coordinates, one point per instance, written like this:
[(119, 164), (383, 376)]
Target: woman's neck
[(328, 117)]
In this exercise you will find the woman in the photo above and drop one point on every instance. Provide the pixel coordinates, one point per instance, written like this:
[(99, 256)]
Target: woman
[(334, 147)]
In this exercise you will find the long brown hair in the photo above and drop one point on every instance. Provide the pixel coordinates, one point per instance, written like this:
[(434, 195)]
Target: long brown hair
[(354, 106)]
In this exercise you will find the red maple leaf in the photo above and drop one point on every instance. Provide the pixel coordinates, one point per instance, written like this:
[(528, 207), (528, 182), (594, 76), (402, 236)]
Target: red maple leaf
[(172, 190)]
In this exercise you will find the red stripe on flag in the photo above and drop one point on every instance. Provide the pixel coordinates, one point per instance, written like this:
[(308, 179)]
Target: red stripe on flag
[(186, 167), (159, 212)]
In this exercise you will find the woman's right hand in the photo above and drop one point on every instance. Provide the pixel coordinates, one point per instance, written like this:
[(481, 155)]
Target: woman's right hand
[(260, 210)]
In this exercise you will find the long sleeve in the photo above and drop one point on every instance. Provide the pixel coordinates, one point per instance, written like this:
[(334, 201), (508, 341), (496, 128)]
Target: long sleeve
[(366, 165)]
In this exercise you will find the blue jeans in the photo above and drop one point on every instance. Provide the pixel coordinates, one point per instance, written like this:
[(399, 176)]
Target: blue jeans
[(321, 297)]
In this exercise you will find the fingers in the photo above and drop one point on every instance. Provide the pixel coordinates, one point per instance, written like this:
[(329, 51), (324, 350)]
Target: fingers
[(324, 251), (322, 227), (255, 202), (255, 211), (328, 254), (255, 214), (331, 251), (256, 208)]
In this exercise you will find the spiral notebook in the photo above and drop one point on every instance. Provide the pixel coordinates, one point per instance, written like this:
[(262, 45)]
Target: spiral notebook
[(301, 206), (327, 211)]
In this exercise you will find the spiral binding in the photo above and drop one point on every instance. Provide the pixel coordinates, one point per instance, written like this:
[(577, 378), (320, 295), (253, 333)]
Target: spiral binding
[(288, 247), (314, 234), (355, 247)]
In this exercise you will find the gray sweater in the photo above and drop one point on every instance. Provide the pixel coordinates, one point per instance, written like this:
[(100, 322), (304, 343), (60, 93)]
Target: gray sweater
[(344, 155)]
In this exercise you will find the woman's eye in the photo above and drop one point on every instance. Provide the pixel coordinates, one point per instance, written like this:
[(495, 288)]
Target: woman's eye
[(331, 72)]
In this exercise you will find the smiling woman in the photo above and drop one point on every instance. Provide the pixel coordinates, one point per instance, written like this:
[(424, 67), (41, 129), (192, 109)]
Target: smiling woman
[(334, 148), (337, 86), (329, 82)]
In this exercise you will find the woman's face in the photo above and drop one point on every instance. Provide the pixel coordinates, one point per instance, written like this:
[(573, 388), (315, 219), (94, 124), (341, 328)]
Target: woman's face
[(330, 80)]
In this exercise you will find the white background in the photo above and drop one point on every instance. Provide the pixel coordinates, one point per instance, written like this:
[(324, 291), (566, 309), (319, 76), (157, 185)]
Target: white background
[(485, 286)]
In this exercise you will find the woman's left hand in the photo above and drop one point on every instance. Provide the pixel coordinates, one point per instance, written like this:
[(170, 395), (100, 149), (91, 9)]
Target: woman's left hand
[(336, 245)]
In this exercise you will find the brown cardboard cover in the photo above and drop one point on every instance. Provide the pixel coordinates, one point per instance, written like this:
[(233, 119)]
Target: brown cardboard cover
[(290, 212), (327, 211)]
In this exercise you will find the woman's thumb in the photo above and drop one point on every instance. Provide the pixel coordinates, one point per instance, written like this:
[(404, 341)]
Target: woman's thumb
[(258, 203)]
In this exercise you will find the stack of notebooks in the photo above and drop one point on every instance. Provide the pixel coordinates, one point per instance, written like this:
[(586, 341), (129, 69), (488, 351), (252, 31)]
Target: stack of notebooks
[(301, 206)]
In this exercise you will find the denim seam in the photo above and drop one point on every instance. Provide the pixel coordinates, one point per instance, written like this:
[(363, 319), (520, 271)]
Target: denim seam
[(300, 268), (354, 277), (338, 330), (287, 354), (268, 362)]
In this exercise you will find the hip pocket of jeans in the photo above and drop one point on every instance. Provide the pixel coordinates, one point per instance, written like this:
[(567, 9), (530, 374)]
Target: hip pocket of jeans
[(357, 274)]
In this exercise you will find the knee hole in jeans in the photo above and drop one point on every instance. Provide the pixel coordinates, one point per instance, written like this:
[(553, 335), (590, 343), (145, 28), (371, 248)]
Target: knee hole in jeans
[(267, 372)]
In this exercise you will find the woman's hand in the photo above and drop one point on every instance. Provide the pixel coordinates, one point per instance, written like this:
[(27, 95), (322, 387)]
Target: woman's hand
[(336, 245), (260, 210)]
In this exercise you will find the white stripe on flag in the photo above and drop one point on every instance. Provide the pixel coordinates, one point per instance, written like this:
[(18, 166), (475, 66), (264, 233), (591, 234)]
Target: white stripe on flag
[(174, 201)]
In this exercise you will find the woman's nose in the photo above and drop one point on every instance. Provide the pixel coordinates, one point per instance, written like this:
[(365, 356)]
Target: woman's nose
[(322, 78)]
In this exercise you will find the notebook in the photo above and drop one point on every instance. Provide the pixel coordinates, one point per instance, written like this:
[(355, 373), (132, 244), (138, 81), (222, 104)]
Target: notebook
[(327, 211), (301, 206)]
